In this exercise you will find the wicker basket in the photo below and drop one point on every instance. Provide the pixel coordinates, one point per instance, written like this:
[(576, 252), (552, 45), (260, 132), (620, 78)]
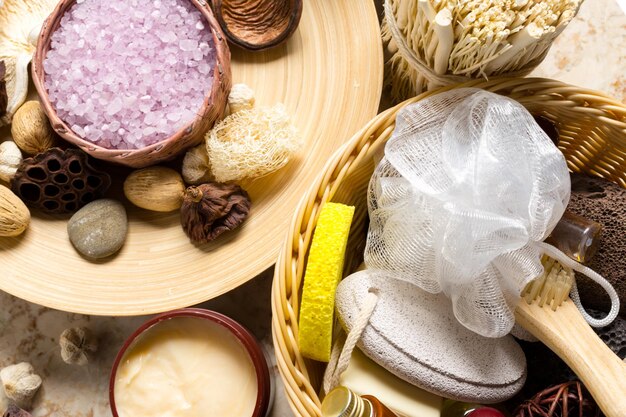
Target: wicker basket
[(212, 108), (592, 130)]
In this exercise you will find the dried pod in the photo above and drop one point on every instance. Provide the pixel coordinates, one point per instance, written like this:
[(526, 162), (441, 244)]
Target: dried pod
[(20, 23), (258, 24), (251, 143), (20, 383), (10, 160), (241, 97), (155, 188), (15, 411), (14, 215), (77, 344), (58, 181), (31, 129), (196, 165), (211, 209), (571, 398)]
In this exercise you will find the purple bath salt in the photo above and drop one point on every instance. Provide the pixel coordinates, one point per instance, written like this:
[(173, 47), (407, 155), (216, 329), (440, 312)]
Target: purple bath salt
[(125, 74)]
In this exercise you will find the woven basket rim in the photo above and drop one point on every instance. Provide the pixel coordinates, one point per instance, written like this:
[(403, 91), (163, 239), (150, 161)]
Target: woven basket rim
[(217, 97), (295, 375)]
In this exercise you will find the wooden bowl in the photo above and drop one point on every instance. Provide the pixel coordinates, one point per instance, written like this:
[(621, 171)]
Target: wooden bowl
[(258, 24), (329, 77), (592, 128), (211, 110)]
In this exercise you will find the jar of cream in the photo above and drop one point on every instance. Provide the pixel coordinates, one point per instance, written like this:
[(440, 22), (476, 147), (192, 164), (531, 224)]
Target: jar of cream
[(190, 363)]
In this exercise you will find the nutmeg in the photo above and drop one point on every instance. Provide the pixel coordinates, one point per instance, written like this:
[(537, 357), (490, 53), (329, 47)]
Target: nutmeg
[(31, 129), (212, 209), (155, 188), (14, 215)]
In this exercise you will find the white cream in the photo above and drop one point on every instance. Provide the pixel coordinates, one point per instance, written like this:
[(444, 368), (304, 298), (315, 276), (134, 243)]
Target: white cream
[(186, 367)]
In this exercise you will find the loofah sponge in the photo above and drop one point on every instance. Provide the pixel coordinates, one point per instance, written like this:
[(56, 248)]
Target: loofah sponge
[(323, 273), (251, 143)]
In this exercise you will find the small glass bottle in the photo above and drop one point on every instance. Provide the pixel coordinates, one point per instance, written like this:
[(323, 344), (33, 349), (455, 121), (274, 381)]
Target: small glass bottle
[(342, 402), (453, 408), (576, 236)]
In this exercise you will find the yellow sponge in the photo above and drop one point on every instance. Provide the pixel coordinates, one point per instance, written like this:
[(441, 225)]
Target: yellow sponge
[(323, 273)]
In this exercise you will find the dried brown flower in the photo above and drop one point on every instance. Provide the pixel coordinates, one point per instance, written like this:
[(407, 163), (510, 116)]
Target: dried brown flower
[(58, 181), (211, 209), (569, 399), (15, 411)]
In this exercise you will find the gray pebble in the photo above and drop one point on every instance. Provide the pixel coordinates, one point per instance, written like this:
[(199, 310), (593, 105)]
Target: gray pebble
[(414, 335), (99, 229)]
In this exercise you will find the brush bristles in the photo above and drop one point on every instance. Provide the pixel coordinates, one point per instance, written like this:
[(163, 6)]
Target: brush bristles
[(552, 287)]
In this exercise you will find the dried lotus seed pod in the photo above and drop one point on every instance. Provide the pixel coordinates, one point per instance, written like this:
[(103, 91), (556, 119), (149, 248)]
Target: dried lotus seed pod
[(58, 181), (155, 188), (31, 129)]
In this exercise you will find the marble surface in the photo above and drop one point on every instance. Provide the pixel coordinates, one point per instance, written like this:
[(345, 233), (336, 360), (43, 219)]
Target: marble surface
[(591, 52)]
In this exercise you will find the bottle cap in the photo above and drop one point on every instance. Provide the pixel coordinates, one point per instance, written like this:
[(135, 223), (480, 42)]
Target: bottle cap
[(341, 402)]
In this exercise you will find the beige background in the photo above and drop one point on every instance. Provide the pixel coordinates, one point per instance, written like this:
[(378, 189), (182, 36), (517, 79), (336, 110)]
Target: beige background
[(590, 53)]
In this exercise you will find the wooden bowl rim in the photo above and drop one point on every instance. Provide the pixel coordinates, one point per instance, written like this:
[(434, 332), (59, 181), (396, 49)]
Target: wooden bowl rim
[(295, 14)]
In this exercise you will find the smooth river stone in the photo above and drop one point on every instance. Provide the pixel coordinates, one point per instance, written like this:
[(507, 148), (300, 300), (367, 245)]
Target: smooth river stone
[(99, 229), (415, 336)]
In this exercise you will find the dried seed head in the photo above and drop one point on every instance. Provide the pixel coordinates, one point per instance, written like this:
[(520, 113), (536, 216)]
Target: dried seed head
[(196, 165), (20, 383), (211, 209), (77, 344)]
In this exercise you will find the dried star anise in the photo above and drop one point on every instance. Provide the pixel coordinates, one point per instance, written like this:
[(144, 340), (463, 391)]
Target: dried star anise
[(15, 411), (211, 209)]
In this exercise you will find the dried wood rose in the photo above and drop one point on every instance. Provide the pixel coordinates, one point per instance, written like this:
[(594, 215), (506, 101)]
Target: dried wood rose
[(211, 209), (15, 411)]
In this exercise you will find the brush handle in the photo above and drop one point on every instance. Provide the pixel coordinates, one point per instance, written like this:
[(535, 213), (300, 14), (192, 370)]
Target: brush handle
[(568, 335)]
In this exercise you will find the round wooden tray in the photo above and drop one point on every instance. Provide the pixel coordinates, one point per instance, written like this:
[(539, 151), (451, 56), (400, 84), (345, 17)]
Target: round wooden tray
[(329, 76)]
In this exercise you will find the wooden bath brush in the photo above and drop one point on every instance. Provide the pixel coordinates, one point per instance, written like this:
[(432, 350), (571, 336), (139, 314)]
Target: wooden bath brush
[(549, 314)]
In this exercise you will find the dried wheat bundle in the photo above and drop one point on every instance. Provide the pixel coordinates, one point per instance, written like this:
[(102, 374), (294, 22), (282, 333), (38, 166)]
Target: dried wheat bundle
[(439, 42)]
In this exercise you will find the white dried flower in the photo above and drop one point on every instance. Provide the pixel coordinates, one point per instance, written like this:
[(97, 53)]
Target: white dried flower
[(241, 97), (196, 166), (10, 159), (20, 383)]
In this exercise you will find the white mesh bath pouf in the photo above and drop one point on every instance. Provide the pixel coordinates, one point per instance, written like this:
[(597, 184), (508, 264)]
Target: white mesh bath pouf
[(469, 188)]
